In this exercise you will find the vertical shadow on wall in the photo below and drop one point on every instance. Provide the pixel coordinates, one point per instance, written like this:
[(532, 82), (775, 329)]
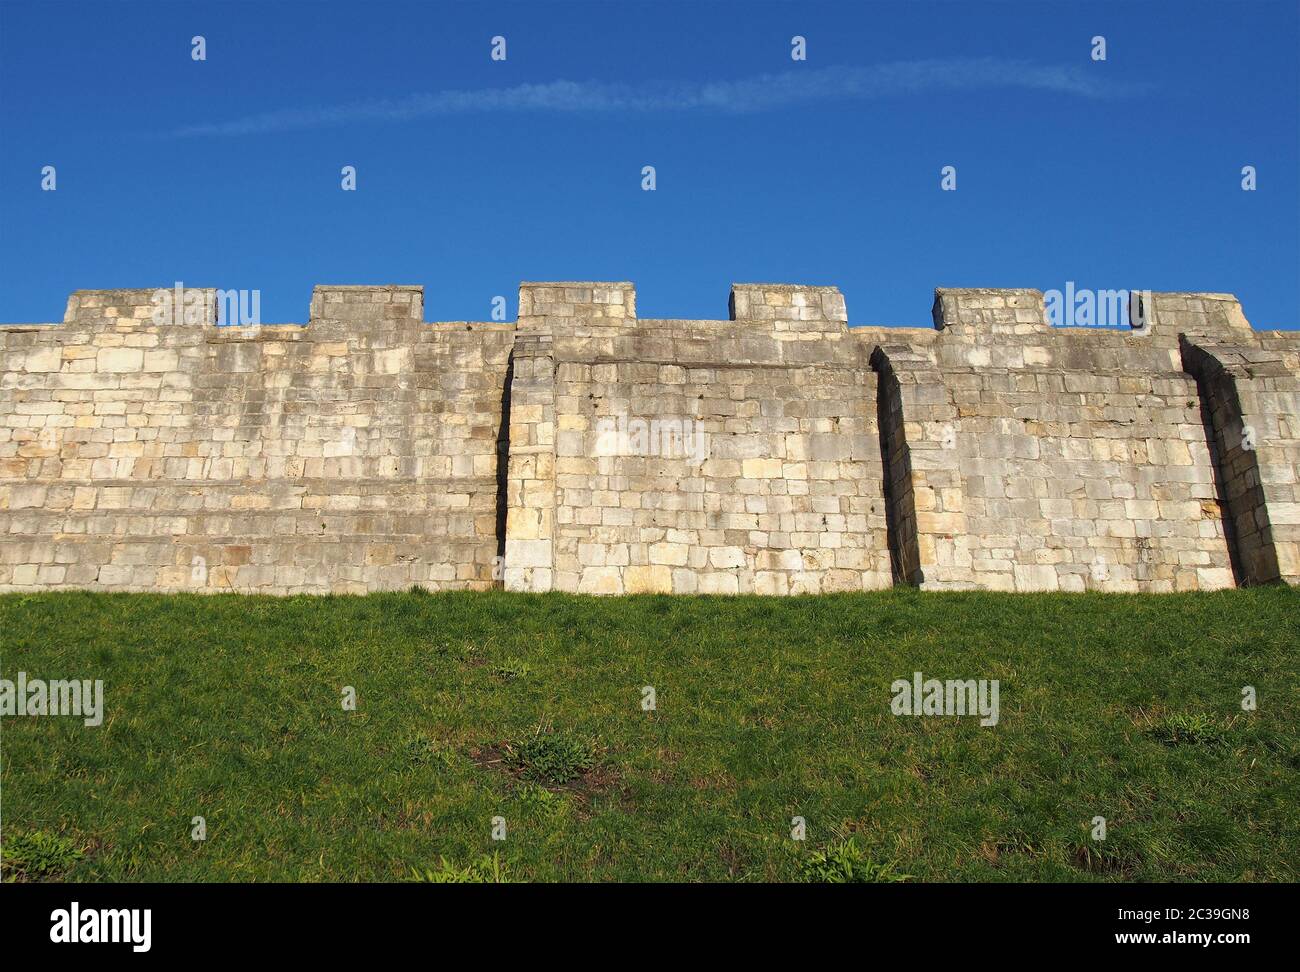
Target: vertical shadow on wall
[(1214, 440), (1217, 397), (503, 467), (896, 462)]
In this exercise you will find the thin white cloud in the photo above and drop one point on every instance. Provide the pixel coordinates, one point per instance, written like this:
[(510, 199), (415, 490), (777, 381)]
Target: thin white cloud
[(764, 92)]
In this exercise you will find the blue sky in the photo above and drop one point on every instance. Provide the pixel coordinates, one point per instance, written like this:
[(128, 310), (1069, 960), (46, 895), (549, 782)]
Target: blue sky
[(475, 174)]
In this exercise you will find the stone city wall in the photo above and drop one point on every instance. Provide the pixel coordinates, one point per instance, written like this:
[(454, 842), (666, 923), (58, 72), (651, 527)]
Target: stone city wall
[(584, 449)]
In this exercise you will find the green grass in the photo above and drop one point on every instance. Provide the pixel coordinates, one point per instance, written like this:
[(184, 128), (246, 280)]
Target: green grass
[(528, 708)]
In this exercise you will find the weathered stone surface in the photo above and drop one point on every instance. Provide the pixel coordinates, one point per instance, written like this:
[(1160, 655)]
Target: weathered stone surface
[(358, 453), (584, 449)]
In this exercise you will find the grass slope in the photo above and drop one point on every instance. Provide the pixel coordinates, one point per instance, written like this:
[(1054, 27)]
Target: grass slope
[(1126, 707)]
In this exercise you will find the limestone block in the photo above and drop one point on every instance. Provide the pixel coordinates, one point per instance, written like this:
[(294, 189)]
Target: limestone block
[(601, 580), (119, 360), (654, 579)]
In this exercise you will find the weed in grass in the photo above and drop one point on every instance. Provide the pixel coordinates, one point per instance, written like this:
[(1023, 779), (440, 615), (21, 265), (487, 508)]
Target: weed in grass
[(1193, 729), (37, 855), (488, 869), (844, 862), (539, 802), (552, 758), (423, 751), (510, 669)]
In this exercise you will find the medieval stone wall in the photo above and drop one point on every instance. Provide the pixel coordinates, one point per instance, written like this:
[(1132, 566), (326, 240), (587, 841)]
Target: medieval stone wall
[(584, 449), (718, 456), (354, 454), (1054, 458)]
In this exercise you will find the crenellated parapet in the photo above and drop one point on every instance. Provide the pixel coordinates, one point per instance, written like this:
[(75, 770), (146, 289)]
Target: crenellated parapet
[(368, 305)]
